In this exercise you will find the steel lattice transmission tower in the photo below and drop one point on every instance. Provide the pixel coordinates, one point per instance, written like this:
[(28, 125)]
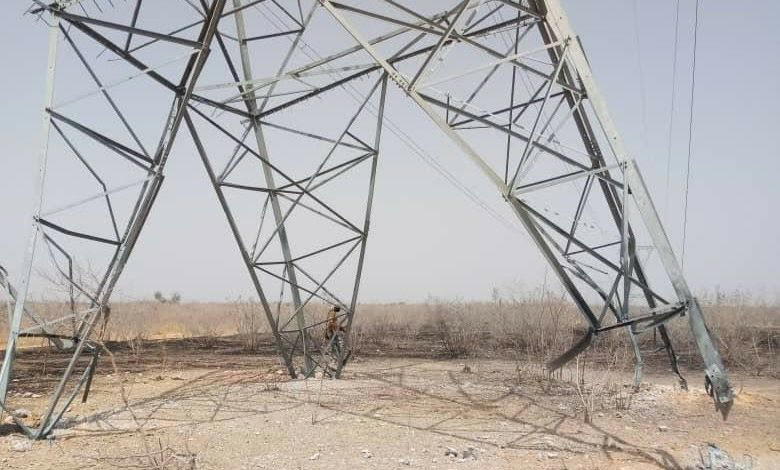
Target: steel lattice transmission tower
[(284, 101)]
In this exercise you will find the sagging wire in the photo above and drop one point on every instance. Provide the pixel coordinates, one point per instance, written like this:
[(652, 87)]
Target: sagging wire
[(672, 106), (690, 134)]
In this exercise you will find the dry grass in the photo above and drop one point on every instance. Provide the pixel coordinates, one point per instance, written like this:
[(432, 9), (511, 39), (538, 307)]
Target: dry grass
[(541, 328), (537, 327)]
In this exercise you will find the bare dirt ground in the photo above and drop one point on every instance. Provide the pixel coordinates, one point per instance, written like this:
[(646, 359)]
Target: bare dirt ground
[(238, 412)]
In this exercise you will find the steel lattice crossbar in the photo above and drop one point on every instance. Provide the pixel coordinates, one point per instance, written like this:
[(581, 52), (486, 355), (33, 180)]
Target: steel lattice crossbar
[(506, 81)]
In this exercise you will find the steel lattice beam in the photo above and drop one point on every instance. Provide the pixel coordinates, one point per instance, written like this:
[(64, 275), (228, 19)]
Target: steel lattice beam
[(506, 81)]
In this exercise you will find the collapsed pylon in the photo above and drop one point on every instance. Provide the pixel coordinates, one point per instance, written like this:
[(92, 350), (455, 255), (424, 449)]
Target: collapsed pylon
[(285, 106)]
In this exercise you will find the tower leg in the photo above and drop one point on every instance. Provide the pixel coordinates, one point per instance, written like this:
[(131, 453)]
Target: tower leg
[(567, 80), (295, 186), (45, 230)]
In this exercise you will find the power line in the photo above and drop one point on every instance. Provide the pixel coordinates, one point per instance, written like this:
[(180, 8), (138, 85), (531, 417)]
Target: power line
[(642, 92), (690, 132), (671, 107)]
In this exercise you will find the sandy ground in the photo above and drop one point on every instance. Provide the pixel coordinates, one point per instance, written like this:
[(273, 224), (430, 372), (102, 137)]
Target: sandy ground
[(397, 413)]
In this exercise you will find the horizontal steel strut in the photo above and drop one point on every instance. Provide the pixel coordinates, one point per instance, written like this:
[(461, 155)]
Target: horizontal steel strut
[(276, 121)]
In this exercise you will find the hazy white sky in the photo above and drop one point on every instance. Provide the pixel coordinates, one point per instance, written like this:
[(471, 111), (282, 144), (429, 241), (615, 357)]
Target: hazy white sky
[(427, 238)]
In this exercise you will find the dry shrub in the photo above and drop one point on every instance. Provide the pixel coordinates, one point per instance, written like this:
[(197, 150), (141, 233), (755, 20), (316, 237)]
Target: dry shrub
[(250, 322), (379, 326), (748, 333), (534, 325), (604, 392), (454, 328), (537, 325)]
